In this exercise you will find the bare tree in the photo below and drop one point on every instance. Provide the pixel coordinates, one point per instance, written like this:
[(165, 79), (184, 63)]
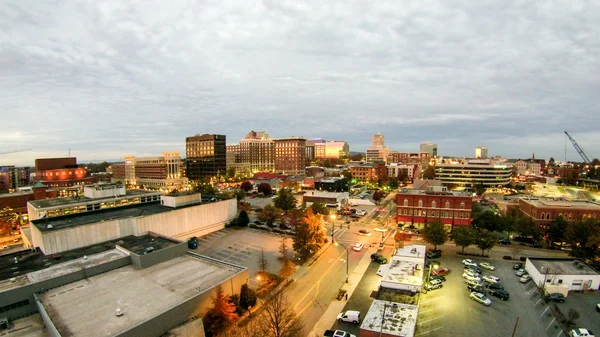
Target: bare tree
[(287, 268), (279, 318), (263, 263), (283, 248)]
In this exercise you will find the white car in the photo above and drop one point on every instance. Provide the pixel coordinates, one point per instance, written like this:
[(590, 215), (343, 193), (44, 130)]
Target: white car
[(487, 266), (525, 278), (471, 277), (491, 279), (357, 247), (581, 333), (469, 262), (521, 272), (479, 297)]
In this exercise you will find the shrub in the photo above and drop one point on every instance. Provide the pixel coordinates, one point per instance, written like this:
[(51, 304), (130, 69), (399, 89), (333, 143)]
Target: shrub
[(507, 257), (253, 226)]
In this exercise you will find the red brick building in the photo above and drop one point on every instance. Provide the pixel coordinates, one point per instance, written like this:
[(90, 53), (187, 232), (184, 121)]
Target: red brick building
[(18, 201), (436, 203), (542, 211), (60, 172), (371, 173)]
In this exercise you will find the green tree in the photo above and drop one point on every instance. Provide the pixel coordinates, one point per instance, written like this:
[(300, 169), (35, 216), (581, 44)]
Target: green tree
[(584, 237), (488, 220), (403, 176), (357, 157), (247, 296), (309, 235), (479, 188), (557, 230), (435, 233), (230, 173), (240, 194), (285, 200), (485, 240), (463, 236), (8, 219), (265, 188), (348, 175), (528, 228), (511, 219), (429, 172), (319, 208), (246, 186), (204, 188), (393, 183), (243, 220), (269, 214), (377, 196), (221, 315)]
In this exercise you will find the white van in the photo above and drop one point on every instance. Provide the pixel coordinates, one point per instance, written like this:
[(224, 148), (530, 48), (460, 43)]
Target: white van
[(351, 316)]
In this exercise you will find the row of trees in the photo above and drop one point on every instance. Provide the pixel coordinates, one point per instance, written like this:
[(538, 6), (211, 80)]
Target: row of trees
[(436, 234)]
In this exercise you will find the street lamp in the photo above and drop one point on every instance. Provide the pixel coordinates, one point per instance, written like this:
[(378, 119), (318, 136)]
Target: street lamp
[(435, 267), (347, 258), (332, 216)]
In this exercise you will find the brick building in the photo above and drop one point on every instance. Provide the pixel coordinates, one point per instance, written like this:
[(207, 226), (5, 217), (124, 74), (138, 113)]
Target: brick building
[(290, 155), (163, 172), (542, 211), (419, 207), (60, 172), (372, 172)]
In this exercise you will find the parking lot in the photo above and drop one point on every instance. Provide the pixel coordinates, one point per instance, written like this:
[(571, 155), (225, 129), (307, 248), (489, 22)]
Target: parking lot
[(450, 312)]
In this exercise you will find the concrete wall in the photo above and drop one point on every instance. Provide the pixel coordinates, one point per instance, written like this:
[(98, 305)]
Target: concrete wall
[(26, 292), (50, 328), (181, 200), (189, 221), (142, 261), (194, 307), (562, 280)]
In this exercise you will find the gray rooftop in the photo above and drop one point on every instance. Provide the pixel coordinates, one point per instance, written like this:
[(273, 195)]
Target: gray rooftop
[(53, 202), (562, 266), (87, 307)]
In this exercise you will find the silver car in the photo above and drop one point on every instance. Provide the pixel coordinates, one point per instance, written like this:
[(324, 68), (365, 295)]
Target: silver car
[(479, 297)]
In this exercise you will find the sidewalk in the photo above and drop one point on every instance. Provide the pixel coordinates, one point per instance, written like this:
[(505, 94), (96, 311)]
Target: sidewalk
[(335, 307)]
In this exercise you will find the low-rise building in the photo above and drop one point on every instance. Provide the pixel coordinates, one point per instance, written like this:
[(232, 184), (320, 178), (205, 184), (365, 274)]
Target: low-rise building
[(371, 173), (435, 203), (159, 173), (467, 174), (332, 184), (60, 172), (543, 210), (327, 198), (389, 319), (562, 274), (406, 269)]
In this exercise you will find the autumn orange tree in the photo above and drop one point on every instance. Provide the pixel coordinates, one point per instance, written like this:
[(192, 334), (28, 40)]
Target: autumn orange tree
[(221, 316), (309, 235), (8, 219)]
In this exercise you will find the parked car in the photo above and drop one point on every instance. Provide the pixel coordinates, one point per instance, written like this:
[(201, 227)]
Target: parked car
[(581, 333), (337, 333), (441, 271), (556, 297), (478, 288), (471, 277), (487, 266), (258, 222), (469, 262), (351, 316), (434, 254), (480, 298), (357, 247), (193, 242), (501, 294), (598, 307), (535, 245), (16, 240), (433, 284), (517, 266), (491, 279), (438, 277), (504, 241), (434, 263), (525, 278), (495, 286), (364, 232), (378, 258), (474, 269), (521, 272)]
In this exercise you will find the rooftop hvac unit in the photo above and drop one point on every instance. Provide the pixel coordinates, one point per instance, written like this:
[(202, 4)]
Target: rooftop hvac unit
[(580, 266), (49, 227), (149, 250), (119, 312)]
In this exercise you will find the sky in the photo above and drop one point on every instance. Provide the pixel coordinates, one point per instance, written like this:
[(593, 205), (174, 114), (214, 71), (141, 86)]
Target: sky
[(105, 79)]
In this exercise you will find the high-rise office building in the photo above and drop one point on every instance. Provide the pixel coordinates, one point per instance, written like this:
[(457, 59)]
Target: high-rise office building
[(290, 154), (257, 152), (430, 148), (481, 152), (377, 152), (337, 149), (162, 172), (206, 156)]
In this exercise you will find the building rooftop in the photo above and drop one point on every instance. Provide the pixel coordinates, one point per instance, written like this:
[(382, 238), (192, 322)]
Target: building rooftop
[(45, 203), (87, 307), (15, 194), (551, 203), (563, 266), (324, 194), (399, 319), (402, 271), (32, 261), (427, 192)]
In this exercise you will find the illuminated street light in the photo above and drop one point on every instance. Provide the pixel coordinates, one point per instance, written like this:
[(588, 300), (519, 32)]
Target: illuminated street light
[(332, 216)]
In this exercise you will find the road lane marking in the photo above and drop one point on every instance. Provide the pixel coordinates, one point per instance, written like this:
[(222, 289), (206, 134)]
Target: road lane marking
[(553, 319), (429, 320), (538, 301), (429, 331), (422, 311), (548, 307), (559, 333)]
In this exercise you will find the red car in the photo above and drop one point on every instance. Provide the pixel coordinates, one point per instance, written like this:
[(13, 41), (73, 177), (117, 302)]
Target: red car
[(441, 271)]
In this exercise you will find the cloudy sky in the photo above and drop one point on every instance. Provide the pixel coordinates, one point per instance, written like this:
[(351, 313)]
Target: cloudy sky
[(111, 78)]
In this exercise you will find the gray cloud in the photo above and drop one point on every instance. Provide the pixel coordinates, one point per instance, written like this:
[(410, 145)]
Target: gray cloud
[(111, 78)]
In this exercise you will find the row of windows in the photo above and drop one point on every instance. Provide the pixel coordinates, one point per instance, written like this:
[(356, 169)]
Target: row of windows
[(102, 205), (434, 204), (62, 173), (459, 215), (566, 216), (14, 306)]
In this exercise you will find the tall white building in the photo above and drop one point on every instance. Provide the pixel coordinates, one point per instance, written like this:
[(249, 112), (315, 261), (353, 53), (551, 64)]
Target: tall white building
[(377, 152), (481, 152), (430, 148)]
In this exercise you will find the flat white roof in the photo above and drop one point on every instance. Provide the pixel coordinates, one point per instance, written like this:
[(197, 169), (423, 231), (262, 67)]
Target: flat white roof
[(405, 272), (399, 319), (87, 307), (417, 251)]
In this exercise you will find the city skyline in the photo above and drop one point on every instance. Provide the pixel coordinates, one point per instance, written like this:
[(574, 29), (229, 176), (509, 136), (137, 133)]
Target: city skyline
[(105, 80)]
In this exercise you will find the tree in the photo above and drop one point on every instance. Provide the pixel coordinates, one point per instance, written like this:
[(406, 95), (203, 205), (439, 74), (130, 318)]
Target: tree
[(319, 208), (230, 173), (279, 318), (557, 230), (243, 220), (247, 296), (527, 228), (240, 194), (287, 268), (235, 299), (218, 318), (551, 162), (403, 176), (265, 188), (479, 188), (393, 183), (263, 263), (285, 200), (378, 195), (269, 214), (294, 217), (485, 240), (584, 237), (204, 188), (283, 248), (463, 236), (309, 235), (511, 219), (572, 316), (435, 233), (246, 186), (348, 175), (8, 219), (488, 220), (245, 206), (429, 172)]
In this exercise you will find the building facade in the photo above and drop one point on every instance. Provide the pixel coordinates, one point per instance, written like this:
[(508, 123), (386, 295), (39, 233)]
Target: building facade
[(162, 172), (543, 211), (481, 152), (337, 149), (526, 167), (60, 172), (469, 174), (417, 207), (372, 172), (290, 155), (377, 152), (394, 170), (206, 156), (257, 151), (430, 149), (12, 178)]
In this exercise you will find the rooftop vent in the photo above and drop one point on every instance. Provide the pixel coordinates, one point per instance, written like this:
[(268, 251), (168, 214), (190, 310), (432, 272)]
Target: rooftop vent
[(49, 227), (13, 280), (85, 257), (149, 250), (119, 312)]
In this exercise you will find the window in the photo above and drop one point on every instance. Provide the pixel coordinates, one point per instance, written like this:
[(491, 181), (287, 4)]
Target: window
[(447, 205), (462, 205), (433, 204), (420, 203)]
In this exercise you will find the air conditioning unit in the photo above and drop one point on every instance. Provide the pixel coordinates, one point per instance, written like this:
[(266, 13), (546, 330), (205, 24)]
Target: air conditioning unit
[(49, 227), (149, 250), (119, 312)]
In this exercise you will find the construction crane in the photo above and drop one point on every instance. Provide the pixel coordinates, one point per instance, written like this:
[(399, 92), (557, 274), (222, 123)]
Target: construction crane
[(579, 149), (15, 151)]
